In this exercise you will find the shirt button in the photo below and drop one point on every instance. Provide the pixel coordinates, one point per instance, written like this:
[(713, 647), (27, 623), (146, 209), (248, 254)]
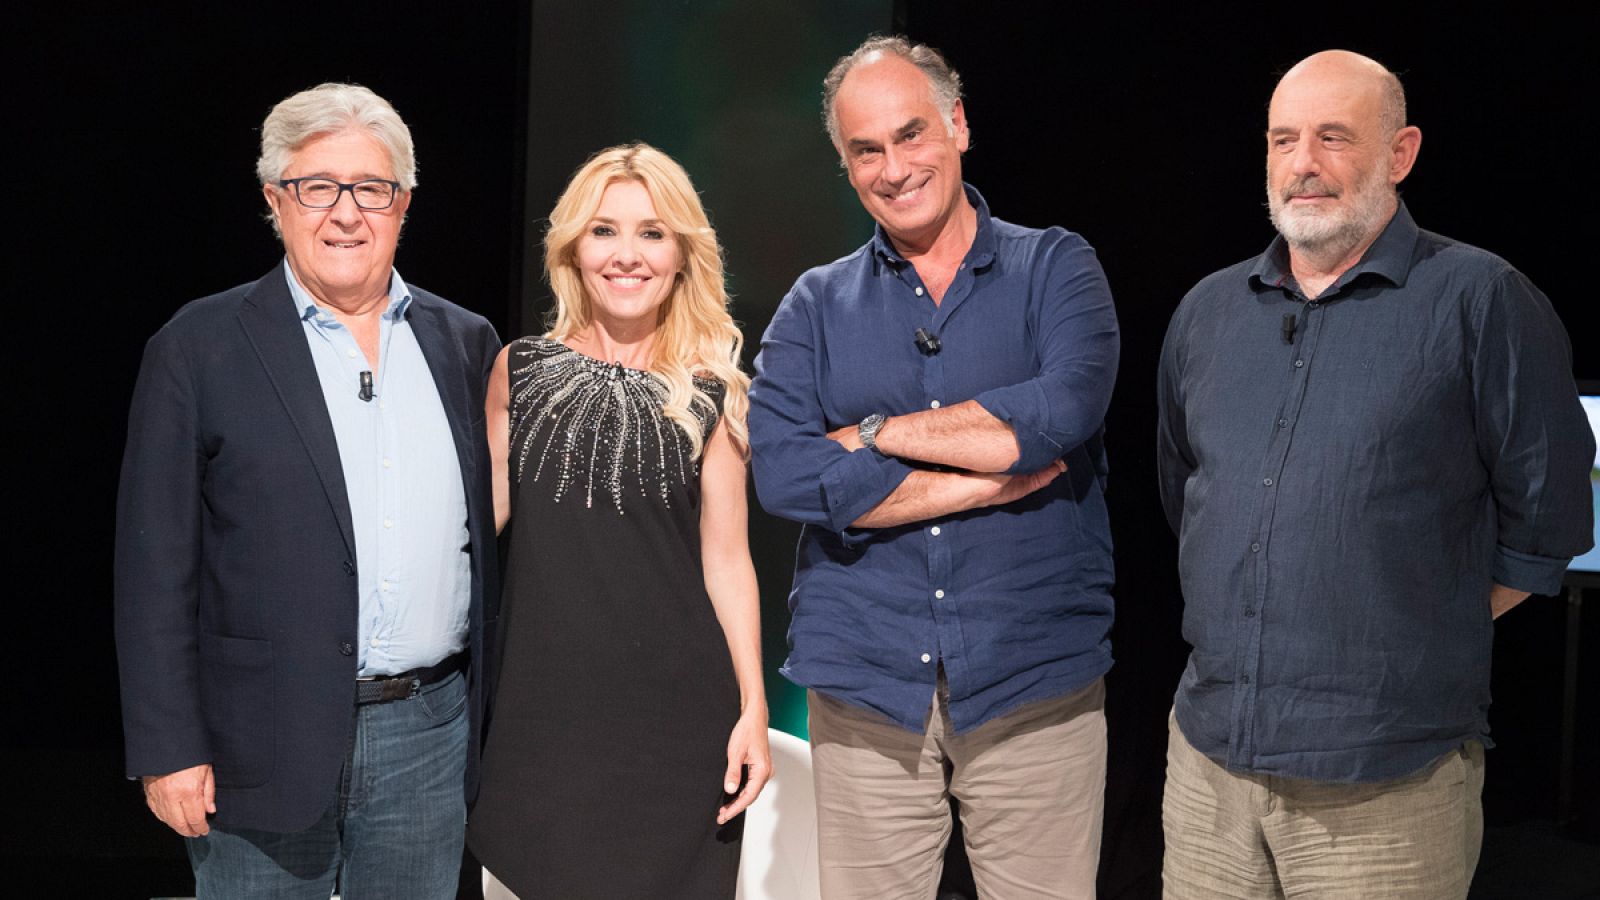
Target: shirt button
[(383, 585), (935, 530), (350, 353), (1311, 305), (1249, 613), (1283, 423), (346, 648), (1265, 481), (382, 405), (349, 567), (939, 594), (1244, 679), (927, 657), (1299, 364), (387, 463), (390, 524), (376, 643), (1255, 548), (919, 292), (934, 404)]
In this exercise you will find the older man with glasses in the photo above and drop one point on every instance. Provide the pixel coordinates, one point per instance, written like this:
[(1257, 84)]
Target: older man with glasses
[(305, 539)]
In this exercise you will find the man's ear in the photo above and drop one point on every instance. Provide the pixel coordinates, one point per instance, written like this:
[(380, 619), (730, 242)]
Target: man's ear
[(1403, 149)]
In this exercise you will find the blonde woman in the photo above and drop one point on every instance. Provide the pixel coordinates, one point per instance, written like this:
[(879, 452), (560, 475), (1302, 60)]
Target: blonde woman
[(629, 729)]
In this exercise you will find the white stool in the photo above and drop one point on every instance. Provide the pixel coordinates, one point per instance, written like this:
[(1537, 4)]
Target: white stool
[(779, 858)]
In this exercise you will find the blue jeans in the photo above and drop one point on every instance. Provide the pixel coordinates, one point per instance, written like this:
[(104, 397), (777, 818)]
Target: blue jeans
[(394, 832)]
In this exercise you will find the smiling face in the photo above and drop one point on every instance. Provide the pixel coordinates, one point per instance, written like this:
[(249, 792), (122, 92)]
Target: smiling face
[(343, 255), (903, 162), (628, 259), (1332, 162)]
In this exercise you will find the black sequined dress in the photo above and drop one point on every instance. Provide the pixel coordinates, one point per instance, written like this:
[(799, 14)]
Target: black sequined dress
[(603, 766)]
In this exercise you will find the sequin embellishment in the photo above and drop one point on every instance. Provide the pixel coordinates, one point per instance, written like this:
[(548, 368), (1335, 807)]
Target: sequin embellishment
[(589, 425)]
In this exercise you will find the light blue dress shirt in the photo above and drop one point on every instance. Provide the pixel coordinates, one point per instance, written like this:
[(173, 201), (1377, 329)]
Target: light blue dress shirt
[(403, 480)]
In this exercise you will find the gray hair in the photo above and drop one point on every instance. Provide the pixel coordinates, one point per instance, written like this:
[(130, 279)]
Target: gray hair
[(1392, 115), (329, 109), (942, 80)]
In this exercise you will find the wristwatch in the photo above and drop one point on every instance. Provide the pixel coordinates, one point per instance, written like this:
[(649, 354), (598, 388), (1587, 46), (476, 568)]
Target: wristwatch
[(868, 430)]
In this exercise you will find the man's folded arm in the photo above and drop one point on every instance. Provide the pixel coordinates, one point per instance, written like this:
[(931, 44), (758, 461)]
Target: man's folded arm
[(800, 473), (1023, 428)]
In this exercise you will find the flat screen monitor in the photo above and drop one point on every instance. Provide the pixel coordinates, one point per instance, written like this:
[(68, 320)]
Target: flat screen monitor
[(1585, 570)]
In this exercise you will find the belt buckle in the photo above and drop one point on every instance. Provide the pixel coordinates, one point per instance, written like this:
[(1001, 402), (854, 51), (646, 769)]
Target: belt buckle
[(397, 689)]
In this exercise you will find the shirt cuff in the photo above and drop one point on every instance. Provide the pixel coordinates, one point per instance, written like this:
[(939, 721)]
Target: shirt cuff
[(857, 482), (1023, 407), (1527, 572)]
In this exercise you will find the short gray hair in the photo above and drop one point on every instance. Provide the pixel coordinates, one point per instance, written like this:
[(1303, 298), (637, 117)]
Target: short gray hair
[(1392, 114), (329, 109), (943, 81)]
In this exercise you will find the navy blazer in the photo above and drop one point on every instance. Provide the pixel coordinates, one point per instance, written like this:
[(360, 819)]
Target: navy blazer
[(236, 596)]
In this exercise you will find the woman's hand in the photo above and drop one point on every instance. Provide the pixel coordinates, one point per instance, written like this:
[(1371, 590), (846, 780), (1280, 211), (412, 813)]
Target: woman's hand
[(748, 755)]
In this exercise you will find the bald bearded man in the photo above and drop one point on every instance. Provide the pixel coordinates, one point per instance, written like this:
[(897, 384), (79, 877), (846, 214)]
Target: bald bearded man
[(1370, 446)]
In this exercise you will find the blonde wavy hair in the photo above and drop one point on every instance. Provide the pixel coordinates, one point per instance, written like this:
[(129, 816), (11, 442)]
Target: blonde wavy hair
[(695, 334)]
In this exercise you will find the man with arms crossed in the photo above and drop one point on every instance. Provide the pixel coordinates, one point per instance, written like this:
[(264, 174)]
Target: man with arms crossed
[(305, 541), (930, 408), (1370, 446)]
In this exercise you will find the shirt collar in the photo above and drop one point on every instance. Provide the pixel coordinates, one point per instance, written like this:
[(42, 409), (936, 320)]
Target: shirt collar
[(980, 254), (399, 295), (1389, 257)]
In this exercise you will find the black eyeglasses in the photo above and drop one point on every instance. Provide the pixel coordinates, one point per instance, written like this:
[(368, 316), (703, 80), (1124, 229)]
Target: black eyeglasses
[(323, 193)]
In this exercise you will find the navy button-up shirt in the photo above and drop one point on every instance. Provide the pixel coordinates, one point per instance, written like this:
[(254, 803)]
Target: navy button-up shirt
[(1015, 601), (1347, 485)]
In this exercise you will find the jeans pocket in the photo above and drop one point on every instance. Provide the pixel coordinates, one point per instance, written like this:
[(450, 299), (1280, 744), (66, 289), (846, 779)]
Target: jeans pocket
[(444, 701), (236, 697)]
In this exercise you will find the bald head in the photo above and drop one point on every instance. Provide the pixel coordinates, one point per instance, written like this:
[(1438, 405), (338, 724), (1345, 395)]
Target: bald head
[(1354, 74)]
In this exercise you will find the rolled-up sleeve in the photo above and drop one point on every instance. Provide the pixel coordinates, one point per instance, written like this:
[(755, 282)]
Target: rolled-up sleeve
[(800, 473), (1533, 436), (1076, 327)]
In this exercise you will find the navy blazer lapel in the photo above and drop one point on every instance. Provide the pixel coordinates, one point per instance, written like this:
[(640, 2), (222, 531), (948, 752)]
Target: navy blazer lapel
[(276, 334), (443, 352)]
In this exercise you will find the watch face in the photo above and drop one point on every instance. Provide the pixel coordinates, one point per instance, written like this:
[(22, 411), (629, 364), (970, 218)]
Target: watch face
[(868, 429)]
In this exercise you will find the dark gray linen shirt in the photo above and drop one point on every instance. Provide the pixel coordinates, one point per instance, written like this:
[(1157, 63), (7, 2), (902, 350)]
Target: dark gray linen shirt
[(1345, 498)]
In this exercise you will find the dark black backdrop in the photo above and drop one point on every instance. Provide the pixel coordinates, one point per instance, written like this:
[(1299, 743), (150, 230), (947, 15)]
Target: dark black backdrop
[(129, 190), (1141, 126), (131, 132)]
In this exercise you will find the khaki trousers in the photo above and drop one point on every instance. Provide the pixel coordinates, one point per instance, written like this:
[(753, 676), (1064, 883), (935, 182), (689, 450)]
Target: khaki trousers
[(1031, 785), (1232, 835)]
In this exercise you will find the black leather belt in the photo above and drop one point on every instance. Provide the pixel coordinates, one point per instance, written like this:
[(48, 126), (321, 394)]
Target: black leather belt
[(404, 686)]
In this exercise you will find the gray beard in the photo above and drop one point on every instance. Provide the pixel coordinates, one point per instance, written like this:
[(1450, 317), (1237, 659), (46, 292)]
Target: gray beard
[(1334, 234)]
